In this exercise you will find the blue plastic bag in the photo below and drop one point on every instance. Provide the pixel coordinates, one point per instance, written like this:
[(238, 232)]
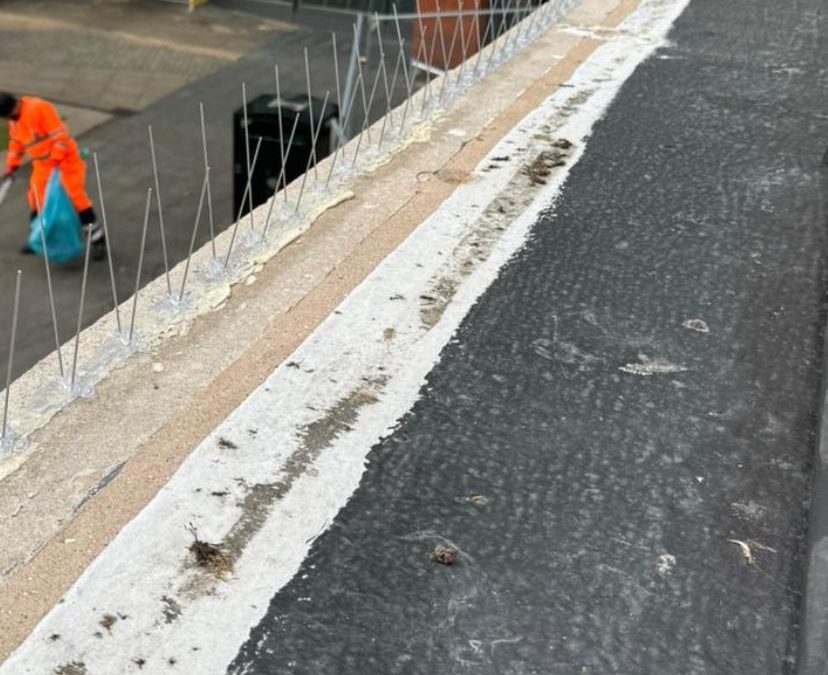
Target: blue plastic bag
[(60, 224)]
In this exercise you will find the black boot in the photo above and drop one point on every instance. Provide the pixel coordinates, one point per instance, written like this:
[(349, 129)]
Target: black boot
[(98, 240), (98, 251)]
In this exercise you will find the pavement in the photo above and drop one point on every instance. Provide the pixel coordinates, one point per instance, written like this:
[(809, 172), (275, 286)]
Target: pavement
[(123, 149), (118, 57)]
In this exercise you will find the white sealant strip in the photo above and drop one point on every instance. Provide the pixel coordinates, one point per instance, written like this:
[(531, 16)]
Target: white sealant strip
[(165, 608)]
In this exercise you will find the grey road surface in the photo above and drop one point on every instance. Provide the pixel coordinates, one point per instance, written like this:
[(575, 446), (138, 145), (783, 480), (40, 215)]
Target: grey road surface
[(598, 511)]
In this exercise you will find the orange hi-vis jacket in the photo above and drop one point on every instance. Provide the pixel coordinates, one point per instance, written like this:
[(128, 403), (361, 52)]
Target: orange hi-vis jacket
[(40, 133)]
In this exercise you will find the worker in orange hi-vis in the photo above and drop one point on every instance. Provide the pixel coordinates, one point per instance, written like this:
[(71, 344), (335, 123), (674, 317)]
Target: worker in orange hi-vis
[(36, 130)]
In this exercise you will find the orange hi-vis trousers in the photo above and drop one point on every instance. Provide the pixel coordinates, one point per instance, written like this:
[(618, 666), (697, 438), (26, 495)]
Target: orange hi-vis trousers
[(40, 133), (72, 176)]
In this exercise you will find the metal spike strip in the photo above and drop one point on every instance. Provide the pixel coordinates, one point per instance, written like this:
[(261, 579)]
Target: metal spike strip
[(371, 105), (314, 138), (446, 75), (512, 21), (406, 75), (535, 15), (359, 142), (463, 45), (496, 33), (497, 41), (209, 189), (461, 21), (351, 73), (241, 205), (246, 136), (49, 285), (478, 43), (338, 91), (430, 89), (140, 265), (204, 185), (281, 135), (483, 43), (395, 76), (81, 307), (421, 55), (522, 22), (247, 155), (514, 30), (160, 210), (398, 66), (385, 118), (509, 33), (108, 251), (350, 106), (427, 86), (10, 362), (442, 34), (519, 27), (408, 91), (384, 68), (282, 177), (361, 75), (466, 39), (310, 111)]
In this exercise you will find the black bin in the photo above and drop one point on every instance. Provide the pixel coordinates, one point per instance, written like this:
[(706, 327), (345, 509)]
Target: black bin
[(263, 122)]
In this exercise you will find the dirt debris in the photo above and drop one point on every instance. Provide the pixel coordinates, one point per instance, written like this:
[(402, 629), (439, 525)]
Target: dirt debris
[(445, 555), (170, 609), (746, 548), (226, 445), (646, 367), (107, 621), (209, 556), (541, 168), (433, 306), (259, 498), (665, 564), (478, 244), (697, 325), (71, 668), (760, 547)]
